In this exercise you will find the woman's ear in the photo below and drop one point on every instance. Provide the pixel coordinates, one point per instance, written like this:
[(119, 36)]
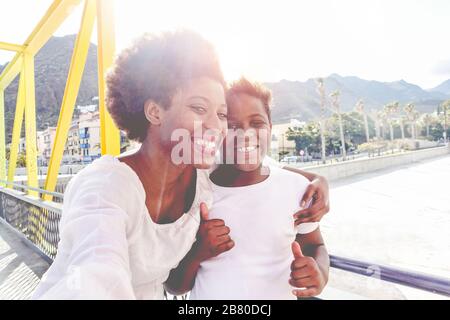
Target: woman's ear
[(152, 112)]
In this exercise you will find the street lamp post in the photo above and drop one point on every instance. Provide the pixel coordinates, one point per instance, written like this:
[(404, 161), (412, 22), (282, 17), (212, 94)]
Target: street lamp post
[(445, 122), (445, 106)]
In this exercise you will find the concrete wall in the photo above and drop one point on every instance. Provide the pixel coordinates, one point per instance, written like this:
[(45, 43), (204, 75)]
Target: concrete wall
[(350, 168)]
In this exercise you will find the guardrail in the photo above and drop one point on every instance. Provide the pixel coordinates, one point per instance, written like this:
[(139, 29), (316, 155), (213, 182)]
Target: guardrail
[(37, 222), (437, 285), (36, 219), (38, 190), (345, 169)]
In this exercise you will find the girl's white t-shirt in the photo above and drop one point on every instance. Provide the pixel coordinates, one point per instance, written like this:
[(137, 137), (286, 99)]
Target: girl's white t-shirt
[(261, 222), (110, 248)]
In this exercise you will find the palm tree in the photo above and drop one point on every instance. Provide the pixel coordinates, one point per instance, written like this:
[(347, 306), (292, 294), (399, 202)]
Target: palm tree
[(335, 102), (427, 119), (321, 91), (411, 113), (390, 110), (374, 116), (360, 108), (415, 117), (401, 123), (444, 108), (381, 118), (401, 120)]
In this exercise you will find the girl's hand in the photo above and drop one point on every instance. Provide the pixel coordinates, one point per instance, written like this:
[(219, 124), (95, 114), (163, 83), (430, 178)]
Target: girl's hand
[(305, 273), (318, 192), (212, 236)]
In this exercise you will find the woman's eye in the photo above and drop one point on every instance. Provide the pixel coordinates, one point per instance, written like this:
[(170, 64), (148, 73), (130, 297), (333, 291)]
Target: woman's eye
[(222, 116), (198, 109)]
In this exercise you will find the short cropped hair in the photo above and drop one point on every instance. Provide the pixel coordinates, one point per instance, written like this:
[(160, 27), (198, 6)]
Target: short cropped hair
[(251, 88)]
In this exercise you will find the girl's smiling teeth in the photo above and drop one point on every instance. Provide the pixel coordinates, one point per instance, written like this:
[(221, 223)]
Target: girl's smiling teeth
[(247, 149)]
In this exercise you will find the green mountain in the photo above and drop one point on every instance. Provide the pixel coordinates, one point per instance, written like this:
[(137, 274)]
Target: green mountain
[(51, 69), (444, 87), (295, 99)]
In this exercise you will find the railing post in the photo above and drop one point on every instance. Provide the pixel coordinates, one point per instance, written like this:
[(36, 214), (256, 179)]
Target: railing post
[(30, 123), (17, 128), (2, 138)]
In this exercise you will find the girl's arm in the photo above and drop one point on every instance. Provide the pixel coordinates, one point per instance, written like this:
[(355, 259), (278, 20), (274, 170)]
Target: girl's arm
[(318, 191), (94, 243)]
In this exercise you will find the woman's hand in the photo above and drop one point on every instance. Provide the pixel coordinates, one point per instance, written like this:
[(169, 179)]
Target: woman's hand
[(213, 236), (318, 192), (305, 273)]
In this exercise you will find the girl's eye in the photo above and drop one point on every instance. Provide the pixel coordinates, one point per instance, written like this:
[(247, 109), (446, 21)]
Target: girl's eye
[(222, 116), (258, 124)]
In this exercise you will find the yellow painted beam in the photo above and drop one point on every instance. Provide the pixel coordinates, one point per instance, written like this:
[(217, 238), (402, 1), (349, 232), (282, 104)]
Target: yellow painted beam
[(110, 134), (30, 123), (17, 128), (58, 11), (70, 93), (11, 71), (2, 138), (11, 46)]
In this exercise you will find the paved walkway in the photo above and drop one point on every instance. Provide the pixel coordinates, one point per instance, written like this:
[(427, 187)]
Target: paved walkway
[(398, 217), (20, 266)]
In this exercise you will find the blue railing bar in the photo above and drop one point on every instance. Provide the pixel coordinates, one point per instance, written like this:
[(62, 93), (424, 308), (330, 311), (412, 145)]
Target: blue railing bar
[(434, 284)]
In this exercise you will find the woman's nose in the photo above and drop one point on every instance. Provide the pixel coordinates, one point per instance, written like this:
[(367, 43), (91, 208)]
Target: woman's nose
[(213, 123)]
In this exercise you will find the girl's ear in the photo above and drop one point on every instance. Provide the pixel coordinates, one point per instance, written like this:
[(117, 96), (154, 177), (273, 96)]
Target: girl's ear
[(152, 112)]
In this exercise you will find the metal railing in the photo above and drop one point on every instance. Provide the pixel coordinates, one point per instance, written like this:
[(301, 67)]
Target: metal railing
[(36, 219), (429, 283), (38, 190), (38, 222)]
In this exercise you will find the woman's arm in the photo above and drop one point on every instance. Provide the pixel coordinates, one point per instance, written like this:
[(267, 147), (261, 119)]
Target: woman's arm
[(93, 261), (318, 192), (311, 264), (212, 239)]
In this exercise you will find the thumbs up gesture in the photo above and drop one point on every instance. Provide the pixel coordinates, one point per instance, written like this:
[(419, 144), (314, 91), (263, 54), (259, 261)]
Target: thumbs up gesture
[(305, 273), (212, 237)]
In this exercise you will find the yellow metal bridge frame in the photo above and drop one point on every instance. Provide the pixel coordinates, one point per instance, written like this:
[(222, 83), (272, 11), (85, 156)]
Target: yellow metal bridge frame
[(22, 65)]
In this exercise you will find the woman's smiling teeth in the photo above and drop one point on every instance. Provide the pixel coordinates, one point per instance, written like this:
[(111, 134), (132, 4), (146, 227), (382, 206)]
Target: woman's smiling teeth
[(206, 145), (247, 149)]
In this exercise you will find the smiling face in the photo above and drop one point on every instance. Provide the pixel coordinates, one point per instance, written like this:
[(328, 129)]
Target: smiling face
[(199, 111), (249, 132)]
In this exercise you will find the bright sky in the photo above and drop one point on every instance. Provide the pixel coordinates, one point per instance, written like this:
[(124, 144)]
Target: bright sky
[(381, 40)]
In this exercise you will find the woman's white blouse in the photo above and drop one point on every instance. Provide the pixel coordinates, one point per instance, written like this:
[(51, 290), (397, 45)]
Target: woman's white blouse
[(110, 248)]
